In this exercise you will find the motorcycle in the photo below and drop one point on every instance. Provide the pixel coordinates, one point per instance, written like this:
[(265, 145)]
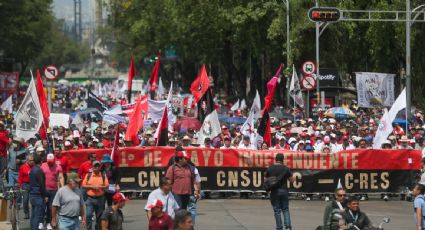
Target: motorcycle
[(352, 226)]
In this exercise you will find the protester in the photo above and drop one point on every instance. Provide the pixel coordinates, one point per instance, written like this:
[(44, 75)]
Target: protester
[(353, 215), (84, 169), (182, 178), (113, 174), (4, 144), (70, 203), (183, 220), (419, 206), (54, 180), (95, 184), (163, 193), (112, 217), (24, 183), (338, 205), (159, 219), (279, 196), (16, 158), (38, 194)]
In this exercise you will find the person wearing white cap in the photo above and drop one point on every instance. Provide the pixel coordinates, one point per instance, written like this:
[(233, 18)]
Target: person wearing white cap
[(54, 176), (186, 141)]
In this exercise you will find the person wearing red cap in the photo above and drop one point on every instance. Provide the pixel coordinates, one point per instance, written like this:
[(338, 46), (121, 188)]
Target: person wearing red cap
[(112, 217), (159, 219), (54, 176), (182, 178)]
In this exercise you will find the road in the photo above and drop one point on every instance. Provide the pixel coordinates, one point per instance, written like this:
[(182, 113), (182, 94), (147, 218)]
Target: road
[(254, 214)]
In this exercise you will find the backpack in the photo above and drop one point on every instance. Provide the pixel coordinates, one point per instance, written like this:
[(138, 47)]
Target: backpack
[(102, 173), (272, 182)]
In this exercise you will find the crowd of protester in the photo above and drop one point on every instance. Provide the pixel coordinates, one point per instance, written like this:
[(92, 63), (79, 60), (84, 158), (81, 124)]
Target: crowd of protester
[(58, 195)]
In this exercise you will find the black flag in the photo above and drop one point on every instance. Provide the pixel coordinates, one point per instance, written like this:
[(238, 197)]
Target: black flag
[(205, 105), (95, 102)]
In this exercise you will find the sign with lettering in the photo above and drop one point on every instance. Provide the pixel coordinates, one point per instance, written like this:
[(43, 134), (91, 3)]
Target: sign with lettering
[(360, 170), (328, 77)]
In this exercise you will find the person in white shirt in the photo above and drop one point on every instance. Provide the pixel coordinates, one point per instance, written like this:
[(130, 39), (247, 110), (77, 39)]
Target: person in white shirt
[(164, 194), (227, 143), (345, 145), (246, 143)]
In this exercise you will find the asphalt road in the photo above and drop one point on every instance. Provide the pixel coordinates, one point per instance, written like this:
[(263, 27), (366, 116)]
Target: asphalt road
[(254, 214)]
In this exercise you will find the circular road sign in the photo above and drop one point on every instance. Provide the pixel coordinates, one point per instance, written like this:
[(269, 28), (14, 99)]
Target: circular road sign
[(308, 82), (51, 72), (309, 68)]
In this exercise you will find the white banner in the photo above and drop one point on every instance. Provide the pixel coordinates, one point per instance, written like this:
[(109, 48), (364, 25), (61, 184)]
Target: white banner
[(375, 89)]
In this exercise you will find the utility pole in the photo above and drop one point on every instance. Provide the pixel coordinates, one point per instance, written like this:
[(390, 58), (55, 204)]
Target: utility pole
[(408, 68), (317, 60)]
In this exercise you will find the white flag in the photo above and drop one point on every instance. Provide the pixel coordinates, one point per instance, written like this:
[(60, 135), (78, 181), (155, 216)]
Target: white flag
[(243, 104), (294, 88), (29, 116), (235, 106), (161, 89), (385, 125), (210, 128), (256, 106), (339, 185), (7, 105)]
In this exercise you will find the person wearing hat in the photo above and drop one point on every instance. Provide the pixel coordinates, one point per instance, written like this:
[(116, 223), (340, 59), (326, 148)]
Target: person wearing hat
[(54, 176), (186, 141), (194, 142), (227, 143), (345, 145), (40, 151), (159, 220), (112, 218), (207, 143), (386, 145), (95, 183), (4, 143), (68, 205), (246, 143), (16, 158), (182, 177), (279, 196), (404, 143), (113, 175)]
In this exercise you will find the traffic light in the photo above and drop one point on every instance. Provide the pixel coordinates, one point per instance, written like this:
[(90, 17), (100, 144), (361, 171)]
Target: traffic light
[(324, 14)]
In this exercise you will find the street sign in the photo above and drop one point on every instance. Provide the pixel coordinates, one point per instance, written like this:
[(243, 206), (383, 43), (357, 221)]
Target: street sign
[(308, 82), (324, 14), (309, 68), (51, 72)]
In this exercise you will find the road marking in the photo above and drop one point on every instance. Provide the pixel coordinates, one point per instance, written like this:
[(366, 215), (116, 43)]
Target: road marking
[(326, 181)]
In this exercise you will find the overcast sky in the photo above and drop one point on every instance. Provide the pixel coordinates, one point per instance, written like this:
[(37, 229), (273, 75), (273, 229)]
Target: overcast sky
[(65, 9)]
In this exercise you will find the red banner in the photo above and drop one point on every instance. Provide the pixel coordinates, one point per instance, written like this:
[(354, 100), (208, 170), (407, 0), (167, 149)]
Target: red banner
[(357, 159)]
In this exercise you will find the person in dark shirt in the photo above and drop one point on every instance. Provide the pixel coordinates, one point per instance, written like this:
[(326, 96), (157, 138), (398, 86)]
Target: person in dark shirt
[(335, 206), (353, 216), (38, 194), (112, 217), (159, 220), (279, 197)]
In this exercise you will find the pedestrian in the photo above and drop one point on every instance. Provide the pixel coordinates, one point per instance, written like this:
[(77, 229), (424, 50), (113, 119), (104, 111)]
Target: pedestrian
[(24, 183), (95, 184), (183, 220), (164, 194), (4, 144), (159, 219), (279, 196), (62, 161), (419, 206), (337, 205), (70, 204), (54, 180), (182, 178), (113, 175), (16, 157), (353, 215), (112, 218), (38, 194), (84, 169)]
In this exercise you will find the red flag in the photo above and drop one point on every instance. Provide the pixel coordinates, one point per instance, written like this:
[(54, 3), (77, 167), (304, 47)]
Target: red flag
[(162, 130), (154, 76), (131, 75), (200, 85), (136, 122), (42, 98), (271, 86), (264, 128), (115, 154)]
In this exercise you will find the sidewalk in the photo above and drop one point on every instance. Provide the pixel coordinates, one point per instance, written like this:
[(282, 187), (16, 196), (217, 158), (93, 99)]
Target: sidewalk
[(5, 225)]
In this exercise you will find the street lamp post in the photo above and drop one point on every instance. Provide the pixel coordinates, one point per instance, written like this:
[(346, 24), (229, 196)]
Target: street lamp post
[(317, 60)]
